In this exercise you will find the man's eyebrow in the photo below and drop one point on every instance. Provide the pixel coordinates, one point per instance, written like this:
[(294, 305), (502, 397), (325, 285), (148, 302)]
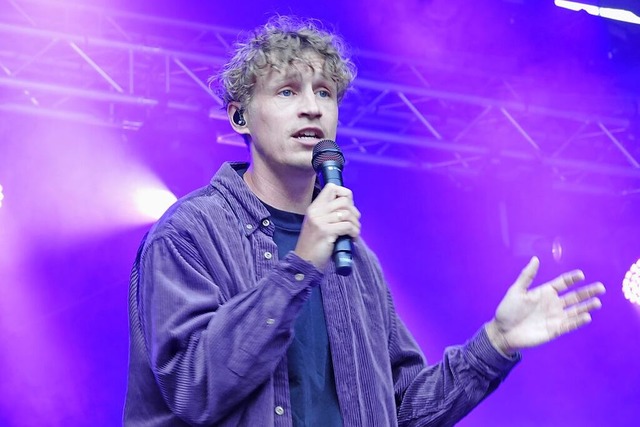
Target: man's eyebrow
[(290, 74), (326, 79), (285, 76)]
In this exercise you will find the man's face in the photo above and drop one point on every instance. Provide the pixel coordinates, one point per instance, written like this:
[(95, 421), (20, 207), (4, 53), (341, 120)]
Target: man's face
[(291, 110)]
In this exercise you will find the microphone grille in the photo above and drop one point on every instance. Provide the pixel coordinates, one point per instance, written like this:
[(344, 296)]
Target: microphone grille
[(326, 150)]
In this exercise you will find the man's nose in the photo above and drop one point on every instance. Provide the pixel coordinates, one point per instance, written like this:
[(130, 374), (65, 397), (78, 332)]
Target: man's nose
[(309, 104)]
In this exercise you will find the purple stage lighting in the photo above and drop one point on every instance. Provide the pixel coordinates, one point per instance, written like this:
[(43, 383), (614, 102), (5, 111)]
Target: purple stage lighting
[(153, 202), (1, 195), (631, 283)]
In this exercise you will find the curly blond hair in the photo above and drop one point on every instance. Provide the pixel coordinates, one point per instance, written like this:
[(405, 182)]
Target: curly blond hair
[(282, 40)]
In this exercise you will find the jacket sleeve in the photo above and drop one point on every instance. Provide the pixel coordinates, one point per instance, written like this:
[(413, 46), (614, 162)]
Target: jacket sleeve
[(442, 394), (209, 349)]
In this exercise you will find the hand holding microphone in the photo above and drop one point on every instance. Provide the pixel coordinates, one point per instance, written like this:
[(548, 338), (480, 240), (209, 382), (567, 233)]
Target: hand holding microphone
[(328, 162), (332, 220)]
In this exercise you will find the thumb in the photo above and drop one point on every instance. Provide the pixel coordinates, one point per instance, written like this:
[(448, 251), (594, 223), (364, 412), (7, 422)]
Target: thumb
[(525, 279)]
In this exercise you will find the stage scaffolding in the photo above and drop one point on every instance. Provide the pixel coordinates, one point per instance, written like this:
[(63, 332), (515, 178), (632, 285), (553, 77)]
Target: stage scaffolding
[(118, 69)]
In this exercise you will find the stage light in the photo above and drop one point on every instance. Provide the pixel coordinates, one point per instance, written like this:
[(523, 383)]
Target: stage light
[(1, 195), (153, 202), (620, 15), (572, 5), (631, 283), (604, 12)]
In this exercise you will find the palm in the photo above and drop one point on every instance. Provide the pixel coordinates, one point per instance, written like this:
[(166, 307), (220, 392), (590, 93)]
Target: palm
[(529, 317)]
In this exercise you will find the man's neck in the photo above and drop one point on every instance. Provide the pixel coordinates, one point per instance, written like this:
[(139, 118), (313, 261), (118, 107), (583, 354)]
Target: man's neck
[(287, 192)]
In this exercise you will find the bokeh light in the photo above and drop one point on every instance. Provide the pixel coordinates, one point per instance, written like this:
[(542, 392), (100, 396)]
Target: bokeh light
[(631, 283)]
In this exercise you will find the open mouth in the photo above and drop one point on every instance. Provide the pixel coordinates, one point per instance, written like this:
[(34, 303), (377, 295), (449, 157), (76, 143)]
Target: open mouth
[(309, 134)]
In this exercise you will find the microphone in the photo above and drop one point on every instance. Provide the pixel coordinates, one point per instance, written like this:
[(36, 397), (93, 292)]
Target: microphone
[(328, 162)]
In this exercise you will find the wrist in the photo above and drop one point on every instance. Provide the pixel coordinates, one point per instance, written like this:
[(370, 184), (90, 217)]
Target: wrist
[(498, 339)]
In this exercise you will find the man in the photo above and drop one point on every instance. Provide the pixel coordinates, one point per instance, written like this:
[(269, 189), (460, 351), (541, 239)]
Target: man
[(237, 314)]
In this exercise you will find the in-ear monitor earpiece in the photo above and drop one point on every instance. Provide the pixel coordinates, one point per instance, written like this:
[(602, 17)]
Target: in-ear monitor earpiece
[(238, 118)]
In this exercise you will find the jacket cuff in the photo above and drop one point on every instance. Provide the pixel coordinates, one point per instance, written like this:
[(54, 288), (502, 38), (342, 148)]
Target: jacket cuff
[(483, 351), (299, 273)]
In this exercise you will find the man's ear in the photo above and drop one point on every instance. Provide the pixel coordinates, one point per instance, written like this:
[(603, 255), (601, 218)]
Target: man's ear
[(237, 118)]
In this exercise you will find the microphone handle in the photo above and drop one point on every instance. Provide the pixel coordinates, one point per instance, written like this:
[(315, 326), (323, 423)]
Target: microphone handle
[(342, 256), (332, 173)]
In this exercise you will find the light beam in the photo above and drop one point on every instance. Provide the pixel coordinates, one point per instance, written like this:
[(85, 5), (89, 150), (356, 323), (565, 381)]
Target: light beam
[(604, 12), (153, 202)]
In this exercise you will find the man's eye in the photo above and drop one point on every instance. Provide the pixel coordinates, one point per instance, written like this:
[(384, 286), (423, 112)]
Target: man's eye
[(286, 92), (324, 93)]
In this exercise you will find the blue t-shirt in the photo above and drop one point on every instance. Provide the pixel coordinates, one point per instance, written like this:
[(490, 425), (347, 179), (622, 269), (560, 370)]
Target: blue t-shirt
[(314, 401)]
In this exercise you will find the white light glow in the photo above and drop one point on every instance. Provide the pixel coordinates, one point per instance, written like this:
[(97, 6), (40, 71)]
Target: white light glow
[(631, 283), (93, 181), (1, 196), (620, 15), (604, 12), (572, 5), (153, 202)]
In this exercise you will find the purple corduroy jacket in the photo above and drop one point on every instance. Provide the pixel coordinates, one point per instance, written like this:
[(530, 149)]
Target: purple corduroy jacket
[(212, 311)]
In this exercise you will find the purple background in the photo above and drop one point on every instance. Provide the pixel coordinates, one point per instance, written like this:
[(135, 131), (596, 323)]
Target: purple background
[(450, 243)]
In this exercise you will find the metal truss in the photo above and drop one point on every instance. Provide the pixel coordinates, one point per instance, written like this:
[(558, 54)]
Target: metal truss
[(120, 69)]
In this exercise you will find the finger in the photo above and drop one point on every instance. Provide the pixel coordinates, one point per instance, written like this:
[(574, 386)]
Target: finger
[(340, 202), (335, 217), (344, 228), (585, 307), (326, 195), (573, 323), (328, 201), (348, 213), (565, 280), (342, 209), (332, 191), (341, 229), (583, 294), (341, 220), (528, 273)]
